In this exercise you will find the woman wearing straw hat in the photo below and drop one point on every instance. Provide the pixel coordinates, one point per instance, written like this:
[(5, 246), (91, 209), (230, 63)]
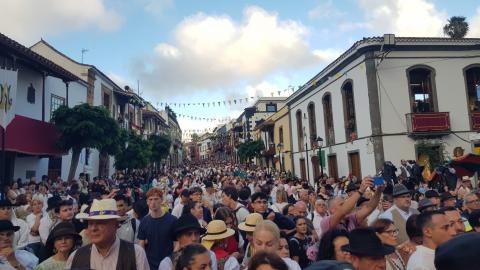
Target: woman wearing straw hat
[(248, 226), (215, 240), (62, 241)]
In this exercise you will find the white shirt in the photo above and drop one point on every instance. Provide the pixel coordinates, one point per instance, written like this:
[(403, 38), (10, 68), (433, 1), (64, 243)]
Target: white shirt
[(125, 231), (30, 222), (422, 259), (99, 262), (388, 214), (177, 210), (241, 212), (292, 265), (25, 258), (166, 263), (20, 239), (316, 223), (44, 228)]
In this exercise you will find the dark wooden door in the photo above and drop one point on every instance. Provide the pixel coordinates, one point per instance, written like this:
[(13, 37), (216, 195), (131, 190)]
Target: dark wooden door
[(355, 168), (303, 173), (316, 167), (333, 166)]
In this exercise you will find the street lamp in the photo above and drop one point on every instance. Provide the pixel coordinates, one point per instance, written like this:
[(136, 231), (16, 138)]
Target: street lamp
[(271, 146), (320, 145), (306, 154), (280, 148)]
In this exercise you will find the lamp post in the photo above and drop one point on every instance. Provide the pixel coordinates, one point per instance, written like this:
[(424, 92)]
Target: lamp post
[(280, 148), (320, 144), (272, 146), (306, 154)]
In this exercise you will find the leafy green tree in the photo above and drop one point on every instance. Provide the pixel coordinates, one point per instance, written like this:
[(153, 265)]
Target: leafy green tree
[(136, 153), (85, 126), (250, 149), (160, 147), (456, 27)]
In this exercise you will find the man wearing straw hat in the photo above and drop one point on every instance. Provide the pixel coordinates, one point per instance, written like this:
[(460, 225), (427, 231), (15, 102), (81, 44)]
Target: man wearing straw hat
[(106, 250)]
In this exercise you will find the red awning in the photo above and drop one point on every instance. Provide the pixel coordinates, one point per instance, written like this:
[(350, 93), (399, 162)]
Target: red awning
[(29, 136)]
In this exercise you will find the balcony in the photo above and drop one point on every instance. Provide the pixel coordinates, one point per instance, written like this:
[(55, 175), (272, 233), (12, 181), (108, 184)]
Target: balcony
[(270, 152), (475, 121), (428, 124)]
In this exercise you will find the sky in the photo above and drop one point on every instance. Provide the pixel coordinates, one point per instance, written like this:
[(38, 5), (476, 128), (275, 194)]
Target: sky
[(206, 52)]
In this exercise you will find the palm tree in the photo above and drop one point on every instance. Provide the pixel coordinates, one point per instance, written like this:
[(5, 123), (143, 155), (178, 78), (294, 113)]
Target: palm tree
[(456, 27)]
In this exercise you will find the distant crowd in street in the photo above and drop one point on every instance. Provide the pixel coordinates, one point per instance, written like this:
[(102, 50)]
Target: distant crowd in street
[(219, 215)]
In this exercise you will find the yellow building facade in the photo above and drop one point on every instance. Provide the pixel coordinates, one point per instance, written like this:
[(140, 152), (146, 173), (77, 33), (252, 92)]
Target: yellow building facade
[(282, 136)]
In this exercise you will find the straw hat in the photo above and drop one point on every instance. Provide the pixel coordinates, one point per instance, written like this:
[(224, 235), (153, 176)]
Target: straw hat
[(102, 209), (250, 222), (83, 212), (216, 230)]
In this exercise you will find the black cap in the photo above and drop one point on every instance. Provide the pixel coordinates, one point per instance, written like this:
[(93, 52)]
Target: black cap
[(459, 253), (432, 194)]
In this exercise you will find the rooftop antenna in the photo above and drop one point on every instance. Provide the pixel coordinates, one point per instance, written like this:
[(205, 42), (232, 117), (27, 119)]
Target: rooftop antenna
[(83, 52), (138, 87)]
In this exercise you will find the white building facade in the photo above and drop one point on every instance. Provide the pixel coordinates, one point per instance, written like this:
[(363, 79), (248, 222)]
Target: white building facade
[(386, 99)]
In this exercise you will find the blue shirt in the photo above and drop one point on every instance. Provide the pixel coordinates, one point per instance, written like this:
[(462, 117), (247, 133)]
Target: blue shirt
[(158, 233)]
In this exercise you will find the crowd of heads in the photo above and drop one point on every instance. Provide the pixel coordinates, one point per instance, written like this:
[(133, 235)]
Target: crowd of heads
[(228, 216)]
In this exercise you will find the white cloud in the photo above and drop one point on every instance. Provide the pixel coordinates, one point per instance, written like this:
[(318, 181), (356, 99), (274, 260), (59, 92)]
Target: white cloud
[(119, 80), (28, 20), (474, 25), (325, 10), (217, 52), (157, 7), (403, 17)]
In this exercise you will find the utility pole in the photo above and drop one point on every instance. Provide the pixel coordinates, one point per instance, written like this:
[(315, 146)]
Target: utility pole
[(83, 52)]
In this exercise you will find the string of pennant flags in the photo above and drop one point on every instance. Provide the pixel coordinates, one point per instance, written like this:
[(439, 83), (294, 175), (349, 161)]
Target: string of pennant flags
[(220, 103), (209, 119)]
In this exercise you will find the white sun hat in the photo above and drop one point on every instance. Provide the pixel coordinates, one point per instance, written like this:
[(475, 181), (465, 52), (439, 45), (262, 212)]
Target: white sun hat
[(102, 209)]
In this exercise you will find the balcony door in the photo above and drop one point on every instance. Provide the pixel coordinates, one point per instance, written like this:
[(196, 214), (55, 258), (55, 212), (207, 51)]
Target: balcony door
[(355, 167), (333, 166), (303, 173)]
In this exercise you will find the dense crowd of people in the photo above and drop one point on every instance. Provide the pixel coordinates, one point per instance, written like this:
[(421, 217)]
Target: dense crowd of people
[(226, 216)]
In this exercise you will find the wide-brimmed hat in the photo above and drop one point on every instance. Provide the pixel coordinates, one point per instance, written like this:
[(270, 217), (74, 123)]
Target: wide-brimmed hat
[(185, 223), (102, 209), (400, 189), (216, 230), (7, 225), (424, 204), (459, 253), (83, 212), (365, 242), (65, 228), (250, 222)]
